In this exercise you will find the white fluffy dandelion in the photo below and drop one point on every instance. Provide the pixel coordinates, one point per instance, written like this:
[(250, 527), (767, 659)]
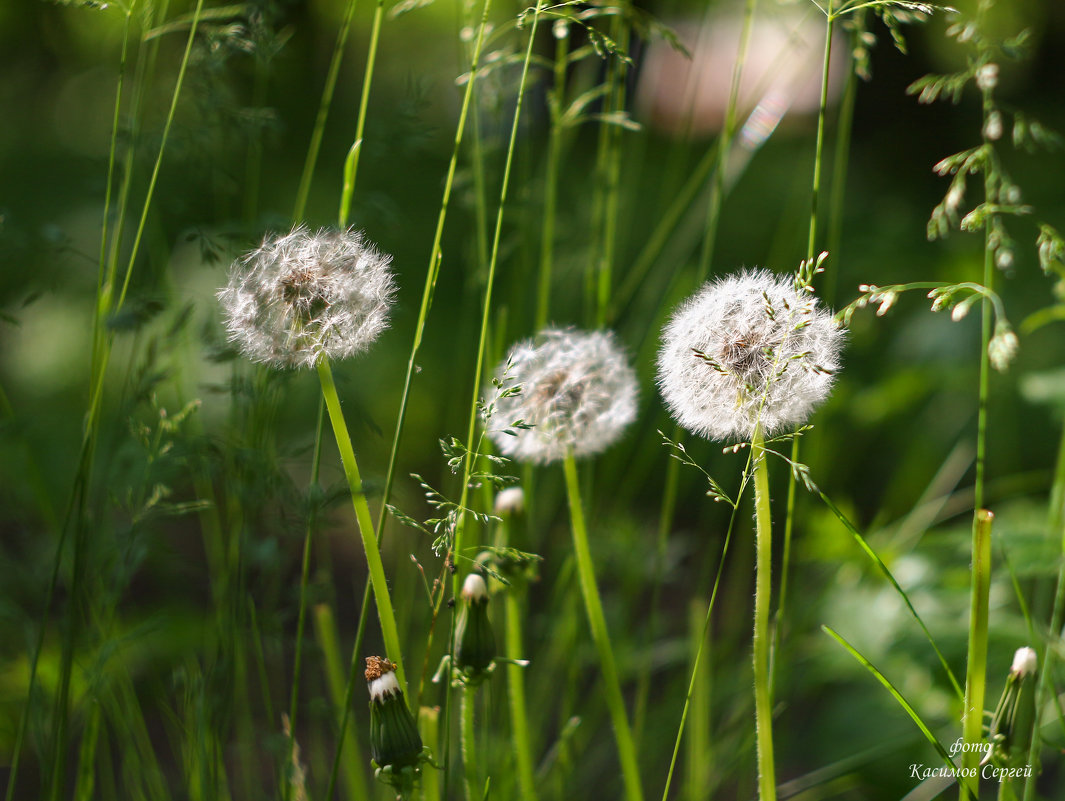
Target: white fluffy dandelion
[(578, 393), (302, 295), (746, 350)]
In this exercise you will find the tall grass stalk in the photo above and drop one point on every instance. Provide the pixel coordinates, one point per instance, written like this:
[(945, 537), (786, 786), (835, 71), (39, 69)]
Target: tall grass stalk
[(514, 646), (77, 510), (976, 660), (688, 698), (469, 742), (556, 99), (811, 240), (718, 156), (593, 606), (326, 635), (311, 160), (1056, 526), (431, 275), (458, 545)]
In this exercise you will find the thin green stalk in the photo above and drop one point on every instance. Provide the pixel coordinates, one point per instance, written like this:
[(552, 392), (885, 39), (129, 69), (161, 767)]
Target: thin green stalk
[(763, 705), (458, 545), (593, 605), (326, 634), (1056, 526), (433, 271), (554, 158), (305, 570), (976, 660), (612, 168), (700, 764), (389, 630), (516, 694), (706, 629), (351, 169), (309, 163), (815, 197), (724, 144), (469, 742), (719, 156), (514, 645)]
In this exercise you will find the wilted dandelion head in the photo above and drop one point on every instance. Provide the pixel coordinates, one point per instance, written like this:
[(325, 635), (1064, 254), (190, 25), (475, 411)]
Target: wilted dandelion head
[(578, 393), (747, 349), (305, 295)]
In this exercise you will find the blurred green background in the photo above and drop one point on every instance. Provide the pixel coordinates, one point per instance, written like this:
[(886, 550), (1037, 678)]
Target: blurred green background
[(893, 447)]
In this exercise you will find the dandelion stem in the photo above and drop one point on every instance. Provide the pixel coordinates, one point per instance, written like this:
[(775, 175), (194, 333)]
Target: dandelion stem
[(376, 568), (976, 661), (469, 745), (763, 705), (597, 623), (519, 718)]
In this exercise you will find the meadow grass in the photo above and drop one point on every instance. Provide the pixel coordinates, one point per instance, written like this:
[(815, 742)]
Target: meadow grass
[(161, 646)]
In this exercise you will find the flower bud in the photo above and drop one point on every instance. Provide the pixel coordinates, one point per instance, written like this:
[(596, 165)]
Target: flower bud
[(394, 739), (1011, 725), (510, 501), (476, 641)]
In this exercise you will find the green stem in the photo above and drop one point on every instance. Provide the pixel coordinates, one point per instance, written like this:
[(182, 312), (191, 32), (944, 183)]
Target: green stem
[(469, 746), (519, 718), (554, 153), (976, 661), (378, 581), (305, 569), (763, 704), (433, 271), (352, 168), (815, 196), (1056, 526), (593, 605), (323, 114)]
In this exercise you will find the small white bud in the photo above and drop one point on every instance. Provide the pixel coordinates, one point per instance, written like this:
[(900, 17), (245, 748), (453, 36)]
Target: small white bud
[(1004, 258), (474, 588), (510, 501), (1025, 662), (987, 77), (959, 311), (993, 126), (1002, 347)]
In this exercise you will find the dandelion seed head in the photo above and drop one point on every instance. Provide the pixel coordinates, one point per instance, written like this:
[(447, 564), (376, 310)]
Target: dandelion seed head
[(578, 393), (302, 295), (747, 349)]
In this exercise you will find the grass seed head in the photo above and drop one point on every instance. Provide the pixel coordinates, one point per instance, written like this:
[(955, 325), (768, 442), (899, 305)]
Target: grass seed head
[(747, 349), (301, 296), (578, 393)]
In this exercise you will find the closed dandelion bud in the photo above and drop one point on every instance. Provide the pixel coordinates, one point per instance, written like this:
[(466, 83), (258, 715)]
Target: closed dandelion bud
[(476, 643), (748, 351), (510, 501), (302, 296), (578, 394), (1011, 725), (394, 740)]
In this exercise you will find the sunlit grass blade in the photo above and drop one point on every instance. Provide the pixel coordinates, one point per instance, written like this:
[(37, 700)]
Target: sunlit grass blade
[(906, 706)]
